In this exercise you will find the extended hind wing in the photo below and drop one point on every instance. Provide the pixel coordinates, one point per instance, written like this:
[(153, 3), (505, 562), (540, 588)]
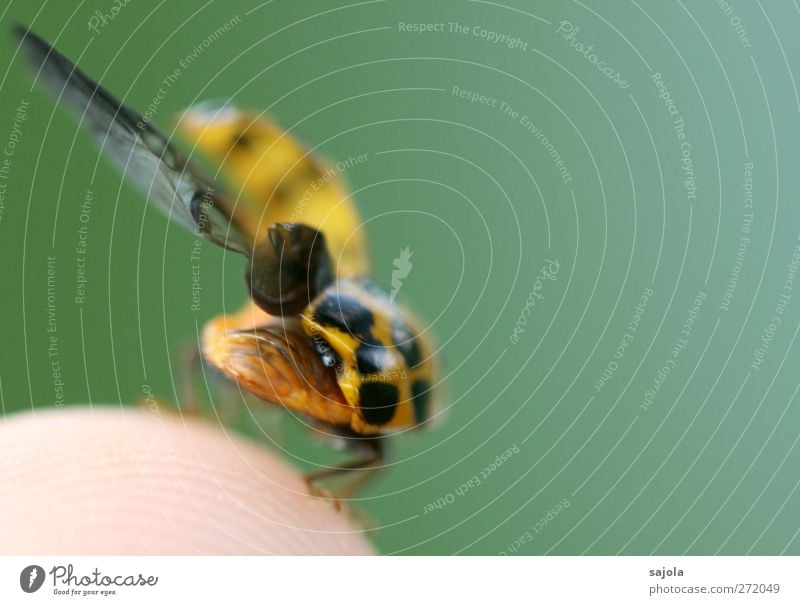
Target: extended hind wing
[(142, 153)]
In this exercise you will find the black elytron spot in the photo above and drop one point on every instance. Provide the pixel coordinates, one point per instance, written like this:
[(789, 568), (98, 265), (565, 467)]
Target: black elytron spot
[(378, 402), (371, 357), (345, 313), (280, 193), (420, 397), (406, 343), (241, 140)]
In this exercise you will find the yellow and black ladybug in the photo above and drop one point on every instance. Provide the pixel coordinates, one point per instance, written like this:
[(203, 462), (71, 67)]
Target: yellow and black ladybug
[(317, 336)]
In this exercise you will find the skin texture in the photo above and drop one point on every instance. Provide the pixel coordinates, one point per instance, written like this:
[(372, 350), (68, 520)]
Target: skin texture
[(126, 481)]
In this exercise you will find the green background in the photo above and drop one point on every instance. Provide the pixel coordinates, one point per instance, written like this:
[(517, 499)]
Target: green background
[(709, 467)]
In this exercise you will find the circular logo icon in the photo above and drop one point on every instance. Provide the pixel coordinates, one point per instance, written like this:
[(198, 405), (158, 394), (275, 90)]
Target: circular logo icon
[(31, 578)]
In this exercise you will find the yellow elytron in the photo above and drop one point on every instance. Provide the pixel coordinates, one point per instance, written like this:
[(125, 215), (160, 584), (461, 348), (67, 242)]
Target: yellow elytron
[(281, 182), (317, 335)]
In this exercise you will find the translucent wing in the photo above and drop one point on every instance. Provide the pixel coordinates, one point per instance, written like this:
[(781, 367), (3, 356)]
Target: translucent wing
[(142, 153)]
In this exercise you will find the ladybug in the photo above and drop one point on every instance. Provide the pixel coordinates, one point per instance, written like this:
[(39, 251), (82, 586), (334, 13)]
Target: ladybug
[(317, 335), (336, 349)]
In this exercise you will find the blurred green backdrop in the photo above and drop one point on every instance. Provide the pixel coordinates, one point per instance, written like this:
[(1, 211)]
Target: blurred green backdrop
[(602, 204)]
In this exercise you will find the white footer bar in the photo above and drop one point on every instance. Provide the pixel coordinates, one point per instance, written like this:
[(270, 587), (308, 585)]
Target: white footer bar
[(401, 580)]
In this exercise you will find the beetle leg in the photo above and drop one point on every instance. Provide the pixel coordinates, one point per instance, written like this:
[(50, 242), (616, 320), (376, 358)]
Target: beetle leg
[(189, 399), (364, 467), (223, 400)]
